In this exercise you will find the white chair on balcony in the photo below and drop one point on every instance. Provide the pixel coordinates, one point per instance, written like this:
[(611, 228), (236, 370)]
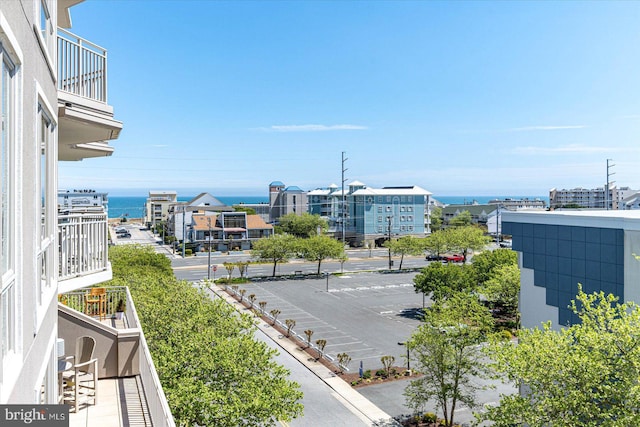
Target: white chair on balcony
[(81, 376)]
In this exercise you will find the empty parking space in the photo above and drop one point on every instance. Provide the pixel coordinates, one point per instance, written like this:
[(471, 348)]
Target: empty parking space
[(364, 315)]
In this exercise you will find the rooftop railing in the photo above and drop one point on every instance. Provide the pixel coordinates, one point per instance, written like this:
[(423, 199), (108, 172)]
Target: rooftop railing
[(83, 241), (82, 67)]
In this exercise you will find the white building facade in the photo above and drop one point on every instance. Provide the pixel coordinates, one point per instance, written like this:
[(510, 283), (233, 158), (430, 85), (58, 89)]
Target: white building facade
[(49, 113)]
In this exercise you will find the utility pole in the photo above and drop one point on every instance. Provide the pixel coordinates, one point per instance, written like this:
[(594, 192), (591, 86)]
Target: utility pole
[(608, 185), (184, 229), (389, 231), (209, 260), (344, 213)]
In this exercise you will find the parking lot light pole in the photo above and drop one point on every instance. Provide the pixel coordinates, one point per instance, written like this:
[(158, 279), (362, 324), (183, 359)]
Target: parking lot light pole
[(326, 274), (404, 343)]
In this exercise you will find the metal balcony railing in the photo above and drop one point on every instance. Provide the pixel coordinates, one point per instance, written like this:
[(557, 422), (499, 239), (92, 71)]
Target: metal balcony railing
[(82, 67), (77, 300), (83, 243)]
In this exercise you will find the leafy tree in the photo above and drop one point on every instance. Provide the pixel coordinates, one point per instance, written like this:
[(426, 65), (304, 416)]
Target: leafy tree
[(247, 210), (275, 248), (230, 266), (582, 375), (463, 219), (485, 262), (305, 225), (436, 219), (446, 349), (387, 363), (465, 239), (242, 267), (213, 371), (319, 248), (444, 281), (503, 288), (405, 245), (436, 243)]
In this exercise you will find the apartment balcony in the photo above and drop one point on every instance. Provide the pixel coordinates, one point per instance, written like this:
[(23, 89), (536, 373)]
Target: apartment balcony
[(129, 390), (83, 250), (86, 122)]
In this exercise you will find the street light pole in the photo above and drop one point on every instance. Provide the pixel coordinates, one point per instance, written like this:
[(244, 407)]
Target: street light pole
[(209, 260), (404, 343)]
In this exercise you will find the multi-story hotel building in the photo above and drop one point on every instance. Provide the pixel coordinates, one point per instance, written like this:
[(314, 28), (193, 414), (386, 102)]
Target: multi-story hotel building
[(366, 215)]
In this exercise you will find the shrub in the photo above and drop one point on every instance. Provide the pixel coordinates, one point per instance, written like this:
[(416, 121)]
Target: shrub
[(381, 373), (506, 334), (188, 252), (429, 417), (366, 374)]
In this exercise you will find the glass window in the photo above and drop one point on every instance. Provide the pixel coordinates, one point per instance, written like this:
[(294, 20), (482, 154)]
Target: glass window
[(6, 150), (7, 305), (379, 208), (46, 27)]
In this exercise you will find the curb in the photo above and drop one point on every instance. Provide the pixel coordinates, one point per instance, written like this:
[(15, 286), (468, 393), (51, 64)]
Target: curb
[(362, 406)]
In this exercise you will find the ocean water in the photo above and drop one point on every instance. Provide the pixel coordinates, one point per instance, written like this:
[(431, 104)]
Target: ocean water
[(133, 206)]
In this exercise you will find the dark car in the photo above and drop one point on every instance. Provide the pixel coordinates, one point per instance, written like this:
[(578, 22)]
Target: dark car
[(432, 257), (124, 235)]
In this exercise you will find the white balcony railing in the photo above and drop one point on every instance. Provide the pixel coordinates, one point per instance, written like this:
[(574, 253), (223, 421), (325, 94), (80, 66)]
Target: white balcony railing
[(83, 241), (82, 67)]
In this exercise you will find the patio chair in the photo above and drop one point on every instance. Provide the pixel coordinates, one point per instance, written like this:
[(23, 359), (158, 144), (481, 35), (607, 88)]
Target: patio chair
[(96, 302), (81, 374)]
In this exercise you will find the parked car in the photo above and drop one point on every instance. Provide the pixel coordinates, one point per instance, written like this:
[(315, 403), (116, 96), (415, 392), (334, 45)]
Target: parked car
[(120, 230), (124, 235), (453, 258), (432, 257)]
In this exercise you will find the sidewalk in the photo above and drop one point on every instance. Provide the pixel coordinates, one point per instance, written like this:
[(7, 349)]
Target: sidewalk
[(370, 412)]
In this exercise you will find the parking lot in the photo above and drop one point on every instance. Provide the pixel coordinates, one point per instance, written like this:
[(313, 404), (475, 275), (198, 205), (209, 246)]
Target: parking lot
[(364, 315)]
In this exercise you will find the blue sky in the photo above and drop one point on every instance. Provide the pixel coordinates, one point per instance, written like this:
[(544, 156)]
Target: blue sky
[(460, 98)]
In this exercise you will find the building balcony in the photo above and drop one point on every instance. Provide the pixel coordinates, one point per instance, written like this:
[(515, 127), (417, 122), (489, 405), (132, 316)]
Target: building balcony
[(83, 250), (129, 389), (86, 122)]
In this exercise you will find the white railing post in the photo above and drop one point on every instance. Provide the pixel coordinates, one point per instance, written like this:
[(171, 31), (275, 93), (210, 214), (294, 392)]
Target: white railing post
[(82, 244), (82, 67)]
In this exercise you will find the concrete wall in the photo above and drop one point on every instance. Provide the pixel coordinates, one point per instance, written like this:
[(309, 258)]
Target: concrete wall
[(117, 350)]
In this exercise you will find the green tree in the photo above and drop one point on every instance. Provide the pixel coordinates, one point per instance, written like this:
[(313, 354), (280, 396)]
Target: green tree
[(446, 349), (582, 375), (436, 219), (436, 243), (463, 219), (247, 210), (275, 248), (444, 281), (213, 371), (319, 248), (486, 261), (503, 288), (405, 245), (305, 225), (465, 239)]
